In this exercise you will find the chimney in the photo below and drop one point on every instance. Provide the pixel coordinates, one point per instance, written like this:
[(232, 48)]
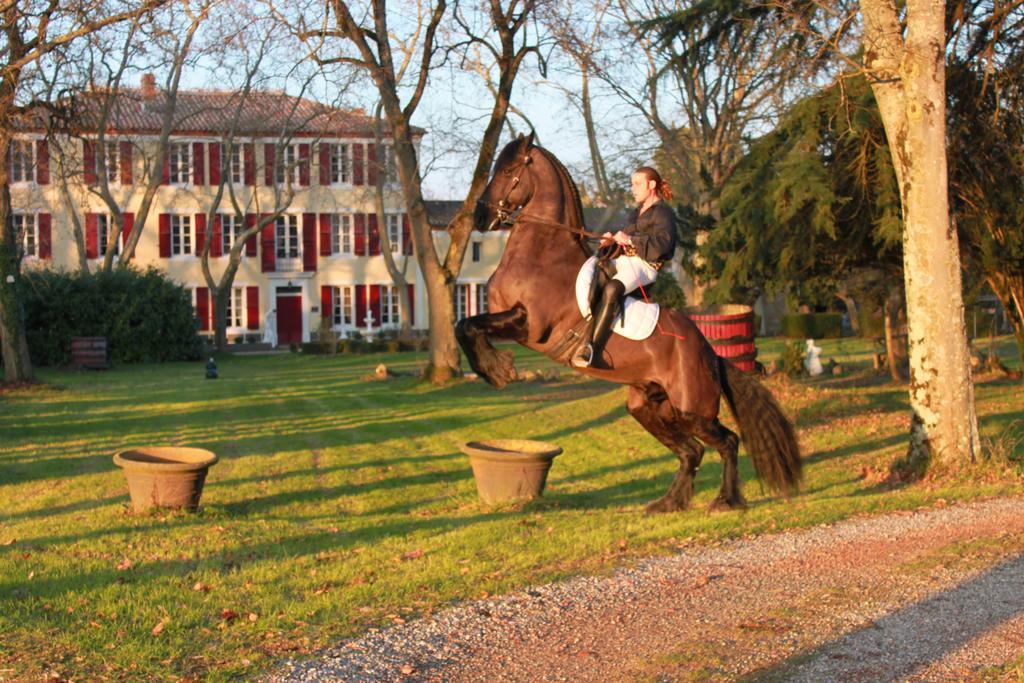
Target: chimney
[(147, 85)]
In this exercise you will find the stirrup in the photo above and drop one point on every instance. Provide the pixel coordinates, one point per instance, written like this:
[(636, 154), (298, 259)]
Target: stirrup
[(583, 357)]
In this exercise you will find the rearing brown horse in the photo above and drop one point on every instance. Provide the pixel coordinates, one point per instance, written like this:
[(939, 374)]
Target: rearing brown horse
[(675, 384)]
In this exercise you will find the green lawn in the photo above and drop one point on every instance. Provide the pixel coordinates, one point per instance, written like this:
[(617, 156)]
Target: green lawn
[(340, 504)]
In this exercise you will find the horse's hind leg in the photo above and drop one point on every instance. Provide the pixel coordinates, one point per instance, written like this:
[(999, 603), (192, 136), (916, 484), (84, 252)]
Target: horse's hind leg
[(652, 410), (714, 434)]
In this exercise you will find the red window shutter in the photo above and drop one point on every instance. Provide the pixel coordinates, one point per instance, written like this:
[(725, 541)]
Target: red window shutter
[(371, 165), (167, 165), (326, 301), (203, 307), (374, 233), (200, 233), (165, 235), (304, 164), (325, 163), (249, 164), (268, 243), (127, 225), (252, 301), (412, 304), (216, 248), (250, 244), (406, 235), (215, 148), (325, 234), (360, 230), (309, 242), (357, 164), (124, 153), (269, 174), (92, 236), (89, 161), (42, 162), (375, 304), (360, 305), (45, 236), (198, 164)]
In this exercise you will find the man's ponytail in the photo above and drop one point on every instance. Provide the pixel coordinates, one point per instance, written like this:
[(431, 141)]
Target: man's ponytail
[(661, 187)]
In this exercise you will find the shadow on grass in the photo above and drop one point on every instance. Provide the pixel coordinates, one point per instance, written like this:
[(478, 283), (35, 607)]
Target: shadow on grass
[(913, 637)]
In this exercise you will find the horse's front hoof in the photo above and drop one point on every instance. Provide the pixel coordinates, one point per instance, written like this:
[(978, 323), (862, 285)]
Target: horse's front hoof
[(723, 504), (664, 504)]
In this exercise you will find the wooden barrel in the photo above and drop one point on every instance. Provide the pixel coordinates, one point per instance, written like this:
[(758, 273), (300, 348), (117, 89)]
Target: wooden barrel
[(730, 329), (92, 353)]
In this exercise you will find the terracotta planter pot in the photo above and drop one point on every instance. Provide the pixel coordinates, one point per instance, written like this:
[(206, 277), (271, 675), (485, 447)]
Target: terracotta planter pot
[(509, 470), (165, 476)]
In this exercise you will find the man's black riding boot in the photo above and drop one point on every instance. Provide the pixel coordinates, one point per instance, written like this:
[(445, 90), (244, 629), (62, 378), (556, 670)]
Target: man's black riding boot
[(607, 312)]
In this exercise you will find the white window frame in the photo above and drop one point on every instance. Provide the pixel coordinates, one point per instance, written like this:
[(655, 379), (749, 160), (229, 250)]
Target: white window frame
[(342, 234), (112, 158), (26, 226), (290, 224), (393, 224), (387, 164), (461, 300), (181, 228), (340, 163), (343, 307), (104, 228), (236, 300), (236, 164), (27, 172), (231, 227), (290, 161), (481, 298), (178, 165), (390, 313)]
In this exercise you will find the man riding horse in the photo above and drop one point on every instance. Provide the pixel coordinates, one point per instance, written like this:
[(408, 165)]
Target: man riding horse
[(647, 242)]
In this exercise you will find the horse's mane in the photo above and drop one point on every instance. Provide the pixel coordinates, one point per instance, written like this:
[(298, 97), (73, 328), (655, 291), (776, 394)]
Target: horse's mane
[(569, 189)]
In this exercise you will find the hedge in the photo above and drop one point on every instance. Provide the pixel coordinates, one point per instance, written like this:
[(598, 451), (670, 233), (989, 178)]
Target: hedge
[(812, 325), (145, 316)]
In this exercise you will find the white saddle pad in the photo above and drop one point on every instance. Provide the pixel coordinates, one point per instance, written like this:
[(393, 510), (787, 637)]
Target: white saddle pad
[(640, 319)]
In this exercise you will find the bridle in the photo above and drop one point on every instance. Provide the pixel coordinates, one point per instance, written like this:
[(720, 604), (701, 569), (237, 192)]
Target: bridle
[(506, 214)]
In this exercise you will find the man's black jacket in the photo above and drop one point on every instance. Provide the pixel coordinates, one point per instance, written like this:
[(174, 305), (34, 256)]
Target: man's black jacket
[(653, 232)]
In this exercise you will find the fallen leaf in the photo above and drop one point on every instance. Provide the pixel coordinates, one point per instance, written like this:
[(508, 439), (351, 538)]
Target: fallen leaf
[(228, 614), (408, 669), (253, 616), (199, 586), (30, 575), (159, 628), (413, 554), (623, 544), (10, 541), (124, 564)]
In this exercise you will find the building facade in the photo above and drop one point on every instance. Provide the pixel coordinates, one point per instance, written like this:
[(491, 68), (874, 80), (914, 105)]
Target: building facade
[(319, 262)]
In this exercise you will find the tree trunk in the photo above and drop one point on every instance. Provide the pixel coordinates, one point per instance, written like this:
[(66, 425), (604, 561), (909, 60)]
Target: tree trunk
[(17, 364), (444, 351), (909, 84), (891, 355)]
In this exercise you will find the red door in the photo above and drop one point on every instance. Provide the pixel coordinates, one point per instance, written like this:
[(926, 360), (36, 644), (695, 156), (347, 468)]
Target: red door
[(289, 319)]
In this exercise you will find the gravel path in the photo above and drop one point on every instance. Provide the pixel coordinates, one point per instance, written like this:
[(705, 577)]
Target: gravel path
[(932, 595)]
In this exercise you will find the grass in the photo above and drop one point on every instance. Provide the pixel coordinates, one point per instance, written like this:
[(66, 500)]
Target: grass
[(342, 504)]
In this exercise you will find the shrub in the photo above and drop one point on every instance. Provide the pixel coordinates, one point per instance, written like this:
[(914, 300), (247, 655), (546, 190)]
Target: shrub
[(666, 291), (812, 326), (793, 359), (145, 316)]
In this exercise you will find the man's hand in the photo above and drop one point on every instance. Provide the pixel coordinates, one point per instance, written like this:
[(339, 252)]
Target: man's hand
[(621, 238), (606, 239)]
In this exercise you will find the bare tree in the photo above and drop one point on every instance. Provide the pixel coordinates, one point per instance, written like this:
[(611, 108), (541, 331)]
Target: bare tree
[(33, 30), (370, 44)]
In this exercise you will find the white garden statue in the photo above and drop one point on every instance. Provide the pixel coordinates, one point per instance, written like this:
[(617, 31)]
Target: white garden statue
[(811, 363), (270, 328)]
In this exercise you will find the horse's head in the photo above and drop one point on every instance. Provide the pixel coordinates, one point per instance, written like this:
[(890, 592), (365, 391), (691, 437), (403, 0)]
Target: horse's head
[(511, 186)]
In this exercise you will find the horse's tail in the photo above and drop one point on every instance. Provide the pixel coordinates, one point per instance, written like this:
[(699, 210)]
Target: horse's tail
[(764, 429)]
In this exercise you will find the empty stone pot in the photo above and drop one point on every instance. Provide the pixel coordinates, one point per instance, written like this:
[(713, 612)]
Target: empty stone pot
[(510, 470), (165, 476)]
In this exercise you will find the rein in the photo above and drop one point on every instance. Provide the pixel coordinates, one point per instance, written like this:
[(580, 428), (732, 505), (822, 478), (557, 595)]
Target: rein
[(512, 217)]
